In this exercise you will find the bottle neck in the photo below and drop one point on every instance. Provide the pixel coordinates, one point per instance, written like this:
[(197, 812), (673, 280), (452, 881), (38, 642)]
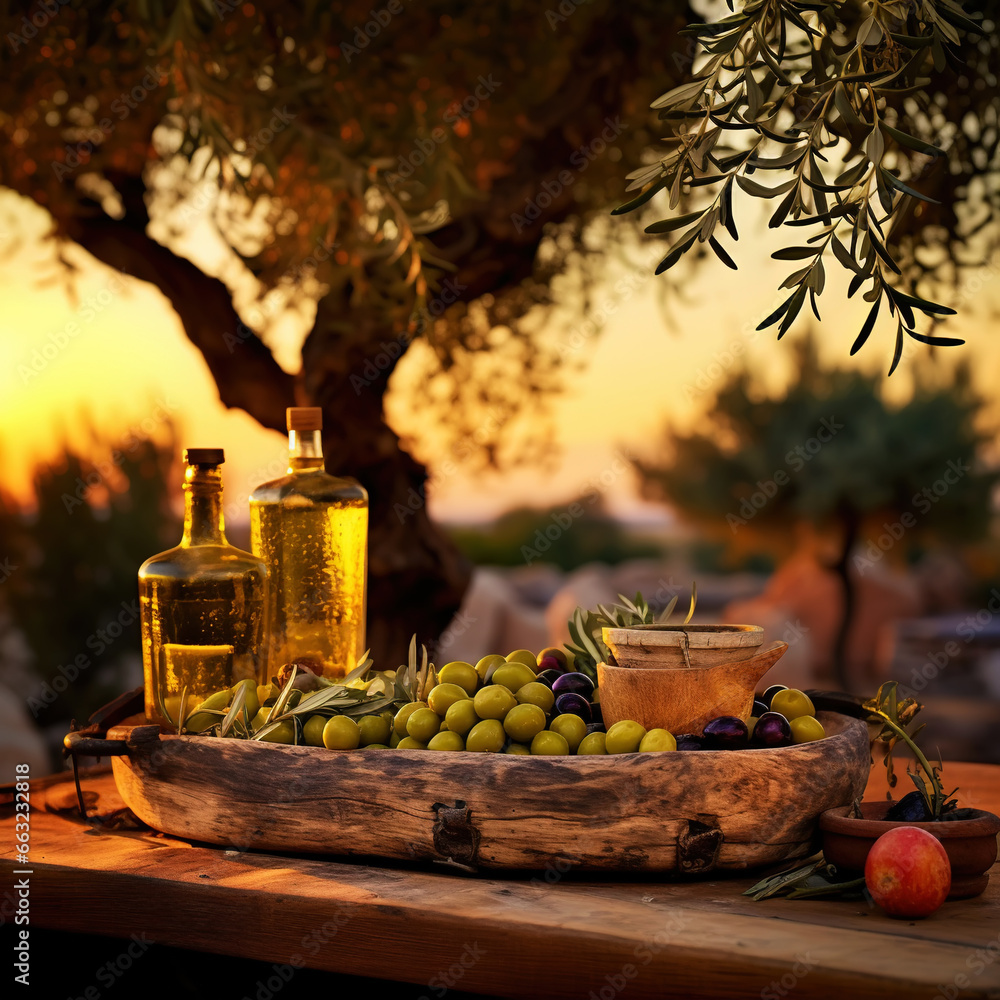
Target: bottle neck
[(305, 450), (203, 519)]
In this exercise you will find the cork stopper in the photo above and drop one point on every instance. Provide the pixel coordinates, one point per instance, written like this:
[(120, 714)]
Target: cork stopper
[(204, 456), (304, 418)]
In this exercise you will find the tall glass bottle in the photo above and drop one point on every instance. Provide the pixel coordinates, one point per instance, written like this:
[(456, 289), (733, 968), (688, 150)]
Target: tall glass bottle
[(311, 529), (203, 603)]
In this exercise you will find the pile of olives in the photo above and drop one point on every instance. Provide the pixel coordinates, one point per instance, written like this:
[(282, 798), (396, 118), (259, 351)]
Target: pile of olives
[(781, 717), (518, 704)]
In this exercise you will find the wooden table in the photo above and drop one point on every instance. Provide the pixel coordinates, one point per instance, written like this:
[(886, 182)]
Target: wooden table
[(535, 935)]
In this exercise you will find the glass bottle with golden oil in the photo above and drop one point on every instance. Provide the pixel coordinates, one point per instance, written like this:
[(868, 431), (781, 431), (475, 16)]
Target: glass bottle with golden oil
[(203, 603), (311, 529)]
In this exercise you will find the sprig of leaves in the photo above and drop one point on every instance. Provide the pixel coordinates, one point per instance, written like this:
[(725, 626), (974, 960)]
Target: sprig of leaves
[(585, 627), (896, 715), (817, 879), (786, 87)]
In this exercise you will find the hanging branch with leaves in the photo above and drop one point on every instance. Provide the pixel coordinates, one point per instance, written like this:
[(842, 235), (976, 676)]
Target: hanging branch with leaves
[(823, 97)]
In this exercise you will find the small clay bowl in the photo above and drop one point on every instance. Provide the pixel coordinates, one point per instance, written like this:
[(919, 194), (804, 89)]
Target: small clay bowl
[(971, 844), (682, 700), (682, 646)]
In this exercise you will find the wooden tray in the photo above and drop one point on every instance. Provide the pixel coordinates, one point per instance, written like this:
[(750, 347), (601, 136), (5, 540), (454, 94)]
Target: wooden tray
[(682, 812)]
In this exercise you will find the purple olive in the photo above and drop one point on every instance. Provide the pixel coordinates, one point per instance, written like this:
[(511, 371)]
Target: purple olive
[(547, 677), (727, 732), (759, 708), (772, 730), (595, 727), (552, 659), (577, 683), (688, 741), (770, 692), (571, 703)]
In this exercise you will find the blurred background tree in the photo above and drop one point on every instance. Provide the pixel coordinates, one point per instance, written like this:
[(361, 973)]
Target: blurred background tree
[(385, 177), (72, 597), (829, 451)]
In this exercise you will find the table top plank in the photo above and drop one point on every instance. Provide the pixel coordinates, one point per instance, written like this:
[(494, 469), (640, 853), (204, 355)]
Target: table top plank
[(515, 936)]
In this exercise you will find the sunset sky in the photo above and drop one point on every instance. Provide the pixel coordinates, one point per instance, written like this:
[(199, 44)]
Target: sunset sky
[(117, 357)]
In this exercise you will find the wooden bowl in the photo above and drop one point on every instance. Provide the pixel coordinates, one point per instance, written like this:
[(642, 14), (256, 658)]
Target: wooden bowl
[(681, 812), (682, 645), (682, 700)]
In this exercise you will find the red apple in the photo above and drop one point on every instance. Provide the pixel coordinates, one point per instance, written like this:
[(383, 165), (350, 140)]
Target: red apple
[(908, 872)]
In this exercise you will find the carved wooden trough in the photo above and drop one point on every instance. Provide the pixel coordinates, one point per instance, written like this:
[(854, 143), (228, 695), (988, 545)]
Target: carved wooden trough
[(674, 812)]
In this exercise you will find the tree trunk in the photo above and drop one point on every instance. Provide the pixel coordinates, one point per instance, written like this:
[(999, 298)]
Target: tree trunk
[(851, 523), (416, 575)]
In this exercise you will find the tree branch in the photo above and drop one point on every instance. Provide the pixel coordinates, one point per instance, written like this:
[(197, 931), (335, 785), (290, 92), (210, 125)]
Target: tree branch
[(241, 364)]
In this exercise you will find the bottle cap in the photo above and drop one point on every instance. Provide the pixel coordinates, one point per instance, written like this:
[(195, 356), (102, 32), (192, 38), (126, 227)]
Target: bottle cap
[(304, 418), (204, 456)]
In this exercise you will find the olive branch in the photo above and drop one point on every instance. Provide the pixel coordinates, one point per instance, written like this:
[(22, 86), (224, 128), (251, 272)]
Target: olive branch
[(895, 716), (793, 87)]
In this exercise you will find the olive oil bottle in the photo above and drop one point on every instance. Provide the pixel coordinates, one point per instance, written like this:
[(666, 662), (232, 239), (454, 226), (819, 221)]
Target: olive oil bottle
[(203, 603), (311, 529)]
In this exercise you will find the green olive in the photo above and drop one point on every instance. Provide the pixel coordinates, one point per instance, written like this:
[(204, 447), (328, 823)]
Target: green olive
[(374, 729), (409, 743), (624, 737), (443, 696), (461, 673), (571, 728), (399, 720), (493, 701), (549, 744), (341, 733), (656, 740), (446, 741), (792, 704), (519, 750), (483, 666), (376, 746), (525, 656), (461, 717), (806, 729), (592, 743), (312, 731), (394, 739), (513, 676), (251, 703), (536, 693), (283, 732), (524, 722), (487, 736), (423, 724)]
